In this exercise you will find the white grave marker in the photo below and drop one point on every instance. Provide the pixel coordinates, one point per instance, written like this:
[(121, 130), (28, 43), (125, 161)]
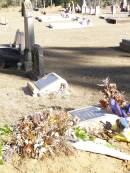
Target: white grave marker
[(51, 83)]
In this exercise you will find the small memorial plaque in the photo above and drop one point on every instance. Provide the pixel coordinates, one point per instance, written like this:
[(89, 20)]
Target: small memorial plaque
[(88, 113), (45, 81)]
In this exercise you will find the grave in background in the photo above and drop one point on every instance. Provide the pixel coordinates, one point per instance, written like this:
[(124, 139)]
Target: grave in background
[(116, 20), (115, 16), (125, 45), (90, 7), (24, 49)]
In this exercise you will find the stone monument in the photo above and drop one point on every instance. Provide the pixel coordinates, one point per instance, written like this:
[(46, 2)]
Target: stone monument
[(84, 6), (24, 52), (33, 53), (125, 45), (113, 9), (19, 41), (37, 61), (27, 13), (97, 10)]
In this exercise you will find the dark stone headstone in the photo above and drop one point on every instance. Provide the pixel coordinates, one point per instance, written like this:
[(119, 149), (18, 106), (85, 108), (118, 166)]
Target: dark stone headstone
[(87, 113), (9, 57), (125, 45), (37, 61)]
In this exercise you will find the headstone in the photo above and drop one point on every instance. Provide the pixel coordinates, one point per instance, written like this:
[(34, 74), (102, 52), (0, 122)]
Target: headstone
[(73, 8), (87, 10), (87, 113), (92, 116), (38, 61), (113, 9), (19, 41), (78, 8), (97, 11), (125, 5), (84, 6), (69, 8), (125, 45), (92, 10), (9, 56), (51, 83), (27, 11), (33, 54), (35, 5), (128, 7)]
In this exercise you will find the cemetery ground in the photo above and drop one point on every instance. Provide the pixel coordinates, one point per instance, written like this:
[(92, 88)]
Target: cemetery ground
[(81, 56)]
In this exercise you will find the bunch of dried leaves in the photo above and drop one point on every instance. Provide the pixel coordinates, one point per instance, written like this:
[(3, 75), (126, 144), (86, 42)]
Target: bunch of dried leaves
[(43, 134), (110, 91)]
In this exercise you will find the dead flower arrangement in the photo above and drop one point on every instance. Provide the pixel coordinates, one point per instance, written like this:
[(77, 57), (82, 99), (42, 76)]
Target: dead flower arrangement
[(113, 99), (43, 134)]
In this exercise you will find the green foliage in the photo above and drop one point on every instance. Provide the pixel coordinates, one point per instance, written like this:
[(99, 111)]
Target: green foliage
[(5, 133), (5, 3), (5, 130), (1, 153), (106, 3), (81, 133)]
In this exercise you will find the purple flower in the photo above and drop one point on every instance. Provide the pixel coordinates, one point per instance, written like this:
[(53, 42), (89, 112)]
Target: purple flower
[(116, 109)]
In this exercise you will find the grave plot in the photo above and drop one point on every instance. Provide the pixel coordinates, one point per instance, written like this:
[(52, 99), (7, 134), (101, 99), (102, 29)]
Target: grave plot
[(117, 20), (45, 134), (56, 18), (115, 17), (82, 24)]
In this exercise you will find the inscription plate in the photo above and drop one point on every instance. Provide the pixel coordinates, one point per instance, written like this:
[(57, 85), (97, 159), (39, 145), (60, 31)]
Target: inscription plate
[(87, 113), (45, 81)]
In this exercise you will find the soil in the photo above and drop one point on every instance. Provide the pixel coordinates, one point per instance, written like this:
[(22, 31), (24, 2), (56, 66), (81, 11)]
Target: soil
[(81, 56)]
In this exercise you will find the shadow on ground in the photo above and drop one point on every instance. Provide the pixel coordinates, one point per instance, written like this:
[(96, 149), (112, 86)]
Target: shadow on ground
[(67, 62), (93, 51)]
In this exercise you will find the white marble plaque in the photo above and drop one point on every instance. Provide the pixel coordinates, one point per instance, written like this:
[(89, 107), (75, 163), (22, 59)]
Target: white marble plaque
[(45, 81)]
